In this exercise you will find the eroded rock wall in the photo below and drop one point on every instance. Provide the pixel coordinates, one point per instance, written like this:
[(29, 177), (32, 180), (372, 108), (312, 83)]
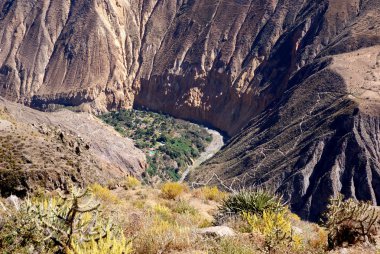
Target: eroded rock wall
[(322, 138), (217, 62)]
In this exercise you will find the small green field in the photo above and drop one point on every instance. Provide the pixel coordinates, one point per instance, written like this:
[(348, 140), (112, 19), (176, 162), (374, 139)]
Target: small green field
[(170, 144)]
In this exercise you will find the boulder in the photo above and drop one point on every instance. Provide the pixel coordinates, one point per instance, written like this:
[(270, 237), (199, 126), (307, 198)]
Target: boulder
[(14, 201), (218, 231)]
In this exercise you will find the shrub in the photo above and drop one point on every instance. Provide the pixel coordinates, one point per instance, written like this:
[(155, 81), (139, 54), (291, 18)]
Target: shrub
[(172, 190), (163, 212), (276, 228), (103, 193), (184, 207), (350, 221), (161, 237), (112, 243), (213, 193), (131, 183), (254, 202)]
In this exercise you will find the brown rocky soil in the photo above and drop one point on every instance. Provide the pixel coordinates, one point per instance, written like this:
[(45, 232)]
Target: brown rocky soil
[(295, 83), (54, 149)]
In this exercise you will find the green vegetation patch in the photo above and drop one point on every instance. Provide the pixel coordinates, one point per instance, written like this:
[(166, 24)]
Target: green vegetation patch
[(170, 144)]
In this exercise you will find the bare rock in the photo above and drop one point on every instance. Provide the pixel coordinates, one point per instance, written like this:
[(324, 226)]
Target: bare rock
[(218, 231), (14, 201)]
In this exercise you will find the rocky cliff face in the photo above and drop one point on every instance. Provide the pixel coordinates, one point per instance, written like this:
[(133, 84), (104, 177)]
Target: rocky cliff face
[(276, 69), (219, 62), (320, 139)]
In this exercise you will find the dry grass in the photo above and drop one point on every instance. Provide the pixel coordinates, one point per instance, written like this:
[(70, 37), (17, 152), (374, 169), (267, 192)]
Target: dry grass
[(130, 183), (210, 193), (104, 194), (160, 236), (161, 223), (158, 224), (236, 245)]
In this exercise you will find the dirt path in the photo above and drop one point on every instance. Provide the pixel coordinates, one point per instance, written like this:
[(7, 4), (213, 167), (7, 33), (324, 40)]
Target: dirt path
[(215, 145)]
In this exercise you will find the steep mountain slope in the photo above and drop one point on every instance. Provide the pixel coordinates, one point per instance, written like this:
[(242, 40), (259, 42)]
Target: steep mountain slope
[(275, 68), (55, 149), (220, 62), (322, 138)]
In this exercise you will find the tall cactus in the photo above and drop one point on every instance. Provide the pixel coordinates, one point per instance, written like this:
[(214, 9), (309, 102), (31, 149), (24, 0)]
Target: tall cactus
[(71, 221), (69, 224), (350, 221)]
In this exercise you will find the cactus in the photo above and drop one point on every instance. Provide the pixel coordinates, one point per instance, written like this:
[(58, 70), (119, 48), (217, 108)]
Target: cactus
[(350, 221), (65, 218), (70, 224), (70, 221)]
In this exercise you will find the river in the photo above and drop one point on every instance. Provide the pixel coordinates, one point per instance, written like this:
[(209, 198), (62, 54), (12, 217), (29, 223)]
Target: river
[(215, 145)]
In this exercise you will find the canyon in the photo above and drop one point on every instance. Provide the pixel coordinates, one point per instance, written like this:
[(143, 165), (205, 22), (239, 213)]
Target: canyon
[(294, 84)]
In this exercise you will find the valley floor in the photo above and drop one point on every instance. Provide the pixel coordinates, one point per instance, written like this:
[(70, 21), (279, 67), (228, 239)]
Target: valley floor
[(173, 147), (215, 145)]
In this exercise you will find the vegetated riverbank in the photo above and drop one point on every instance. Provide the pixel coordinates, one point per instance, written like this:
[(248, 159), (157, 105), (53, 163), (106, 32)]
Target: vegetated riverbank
[(173, 146), (215, 145)]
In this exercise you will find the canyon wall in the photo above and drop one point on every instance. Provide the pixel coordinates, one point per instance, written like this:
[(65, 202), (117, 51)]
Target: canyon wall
[(263, 71), (322, 138), (216, 62)]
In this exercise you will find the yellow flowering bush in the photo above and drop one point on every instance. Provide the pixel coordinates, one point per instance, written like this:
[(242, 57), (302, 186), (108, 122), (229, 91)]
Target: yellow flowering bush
[(275, 227), (172, 190), (103, 193), (130, 183), (213, 193)]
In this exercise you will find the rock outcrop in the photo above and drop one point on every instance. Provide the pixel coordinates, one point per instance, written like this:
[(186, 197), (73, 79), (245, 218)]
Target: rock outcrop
[(272, 74), (217, 231), (53, 150)]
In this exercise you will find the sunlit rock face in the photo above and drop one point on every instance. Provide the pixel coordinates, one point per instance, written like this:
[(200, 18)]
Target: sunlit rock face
[(41, 150), (284, 78)]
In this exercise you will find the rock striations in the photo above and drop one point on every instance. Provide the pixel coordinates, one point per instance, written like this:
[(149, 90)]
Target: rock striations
[(321, 138), (295, 83)]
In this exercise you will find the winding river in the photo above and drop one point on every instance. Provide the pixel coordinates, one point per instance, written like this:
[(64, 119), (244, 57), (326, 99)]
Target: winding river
[(215, 145)]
